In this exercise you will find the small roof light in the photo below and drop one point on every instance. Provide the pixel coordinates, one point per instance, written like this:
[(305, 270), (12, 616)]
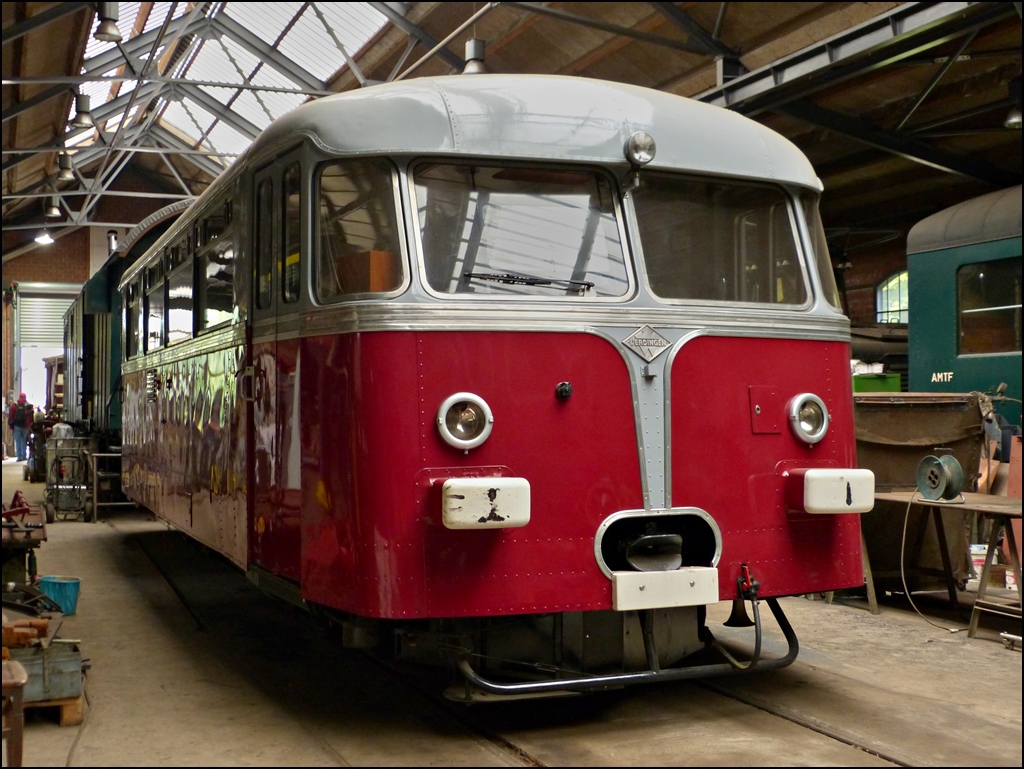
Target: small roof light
[(640, 148), (44, 238), (51, 211), (83, 116)]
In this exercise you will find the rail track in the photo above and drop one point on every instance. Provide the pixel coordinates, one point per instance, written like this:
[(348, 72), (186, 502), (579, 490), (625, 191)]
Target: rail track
[(189, 572)]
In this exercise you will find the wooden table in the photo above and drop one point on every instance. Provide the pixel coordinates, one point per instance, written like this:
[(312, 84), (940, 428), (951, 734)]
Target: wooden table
[(14, 680), (1003, 510)]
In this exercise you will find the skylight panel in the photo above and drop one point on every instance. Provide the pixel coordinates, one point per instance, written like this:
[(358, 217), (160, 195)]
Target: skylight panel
[(224, 138), (309, 43), (159, 13), (266, 20), (248, 106), (188, 118), (233, 50), (277, 101), (213, 64)]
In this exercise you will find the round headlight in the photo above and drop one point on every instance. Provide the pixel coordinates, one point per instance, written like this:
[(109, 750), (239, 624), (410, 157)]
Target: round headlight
[(808, 418), (640, 148), (464, 420)]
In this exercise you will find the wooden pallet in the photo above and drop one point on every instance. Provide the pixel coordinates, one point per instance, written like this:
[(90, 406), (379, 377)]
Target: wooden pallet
[(72, 709)]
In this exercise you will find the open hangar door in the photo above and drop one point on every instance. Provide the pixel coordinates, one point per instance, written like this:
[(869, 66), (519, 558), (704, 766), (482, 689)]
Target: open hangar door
[(39, 333)]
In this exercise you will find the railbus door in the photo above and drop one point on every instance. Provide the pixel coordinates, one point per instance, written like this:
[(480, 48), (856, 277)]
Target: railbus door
[(275, 533)]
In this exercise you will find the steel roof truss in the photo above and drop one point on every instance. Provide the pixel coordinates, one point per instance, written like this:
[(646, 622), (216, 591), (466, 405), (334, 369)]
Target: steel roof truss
[(905, 31)]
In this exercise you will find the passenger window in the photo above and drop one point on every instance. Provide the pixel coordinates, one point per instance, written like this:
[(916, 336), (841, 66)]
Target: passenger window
[(358, 247), (133, 320), (215, 277), (989, 304), (292, 235), (718, 241), (179, 303), (213, 225), (264, 243), (155, 307)]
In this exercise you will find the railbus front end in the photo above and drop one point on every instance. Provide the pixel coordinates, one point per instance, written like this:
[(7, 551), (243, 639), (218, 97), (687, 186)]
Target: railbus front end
[(513, 380)]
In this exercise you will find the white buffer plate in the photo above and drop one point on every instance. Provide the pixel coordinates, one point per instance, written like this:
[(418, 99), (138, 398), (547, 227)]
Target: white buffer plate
[(830, 491), (689, 586), (485, 503)]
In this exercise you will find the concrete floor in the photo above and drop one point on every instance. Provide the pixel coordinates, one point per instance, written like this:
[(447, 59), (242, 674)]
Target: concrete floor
[(199, 668)]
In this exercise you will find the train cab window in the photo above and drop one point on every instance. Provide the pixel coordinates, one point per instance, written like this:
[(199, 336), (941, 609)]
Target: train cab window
[(513, 230), (133, 320), (215, 277), (358, 246), (718, 241), (264, 244), (154, 282), (292, 232), (989, 307)]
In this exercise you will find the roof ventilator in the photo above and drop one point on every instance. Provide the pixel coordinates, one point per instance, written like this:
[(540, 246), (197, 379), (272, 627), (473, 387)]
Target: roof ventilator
[(475, 57)]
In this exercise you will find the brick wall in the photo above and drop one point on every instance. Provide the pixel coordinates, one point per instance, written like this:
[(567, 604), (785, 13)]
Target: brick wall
[(868, 268), (66, 260)]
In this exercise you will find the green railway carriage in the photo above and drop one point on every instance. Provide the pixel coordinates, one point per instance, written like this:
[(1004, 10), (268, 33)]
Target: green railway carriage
[(964, 266)]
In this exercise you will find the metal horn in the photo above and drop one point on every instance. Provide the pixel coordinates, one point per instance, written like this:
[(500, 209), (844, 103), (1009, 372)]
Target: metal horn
[(739, 617)]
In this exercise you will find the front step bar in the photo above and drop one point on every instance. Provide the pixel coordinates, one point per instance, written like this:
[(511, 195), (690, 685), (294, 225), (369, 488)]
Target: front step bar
[(598, 683)]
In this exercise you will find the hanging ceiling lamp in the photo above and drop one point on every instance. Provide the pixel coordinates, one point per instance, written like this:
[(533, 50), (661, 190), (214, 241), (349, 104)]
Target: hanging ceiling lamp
[(1013, 117), (44, 238), (107, 30), (65, 170), (83, 115), (51, 211)]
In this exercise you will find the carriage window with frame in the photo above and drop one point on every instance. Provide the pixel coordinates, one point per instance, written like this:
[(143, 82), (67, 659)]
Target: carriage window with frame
[(358, 236), (989, 307), (517, 230), (133, 319), (718, 241), (215, 277), (154, 282)]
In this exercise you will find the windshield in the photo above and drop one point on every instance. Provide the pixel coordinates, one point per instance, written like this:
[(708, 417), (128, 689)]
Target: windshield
[(718, 241), (512, 231)]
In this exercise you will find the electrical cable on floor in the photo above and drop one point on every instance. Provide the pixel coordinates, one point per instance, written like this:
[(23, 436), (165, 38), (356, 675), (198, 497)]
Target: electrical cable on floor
[(903, 574), (81, 726)]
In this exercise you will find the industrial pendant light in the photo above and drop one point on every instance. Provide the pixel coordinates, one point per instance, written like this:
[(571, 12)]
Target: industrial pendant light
[(1013, 117), (51, 211), (65, 170), (107, 30), (44, 238), (83, 116)]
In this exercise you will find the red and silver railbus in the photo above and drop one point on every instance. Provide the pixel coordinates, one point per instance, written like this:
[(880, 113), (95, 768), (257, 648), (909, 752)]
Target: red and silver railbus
[(521, 372)]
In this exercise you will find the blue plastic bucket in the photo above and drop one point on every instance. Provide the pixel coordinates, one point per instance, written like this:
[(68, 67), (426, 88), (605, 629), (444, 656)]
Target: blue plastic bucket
[(63, 590)]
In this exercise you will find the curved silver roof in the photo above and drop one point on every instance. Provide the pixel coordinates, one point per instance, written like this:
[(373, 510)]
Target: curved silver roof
[(990, 217), (543, 117)]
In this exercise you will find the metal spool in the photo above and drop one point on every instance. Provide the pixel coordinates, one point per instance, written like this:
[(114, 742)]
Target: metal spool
[(940, 477)]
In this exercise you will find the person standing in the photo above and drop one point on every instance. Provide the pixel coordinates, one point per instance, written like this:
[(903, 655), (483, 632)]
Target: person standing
[(20, 421)]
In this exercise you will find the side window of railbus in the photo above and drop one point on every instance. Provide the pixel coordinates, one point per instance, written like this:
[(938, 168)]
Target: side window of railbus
[(718, 241), (821, 256), (179, 293), (215, 267), (503, 231), (154, 285), (989, 307), (290, 245), (133, 319), (358, 246), (265, 244)]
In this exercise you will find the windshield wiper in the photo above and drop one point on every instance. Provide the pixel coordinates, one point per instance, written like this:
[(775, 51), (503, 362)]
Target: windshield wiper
[(526, 280)]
